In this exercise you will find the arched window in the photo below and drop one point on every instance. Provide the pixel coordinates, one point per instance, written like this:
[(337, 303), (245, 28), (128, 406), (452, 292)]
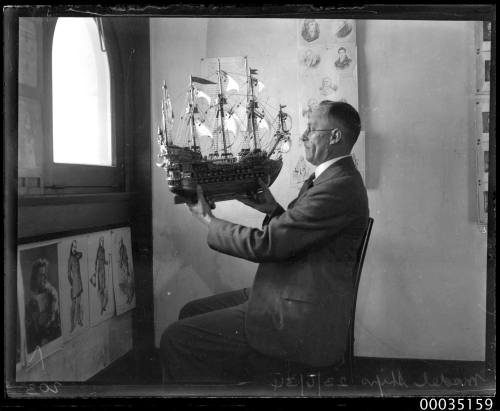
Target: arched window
[(81, 94)]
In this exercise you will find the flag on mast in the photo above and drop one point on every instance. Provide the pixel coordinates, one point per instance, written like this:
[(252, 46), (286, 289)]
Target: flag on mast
[(201, 80), (231, 82)]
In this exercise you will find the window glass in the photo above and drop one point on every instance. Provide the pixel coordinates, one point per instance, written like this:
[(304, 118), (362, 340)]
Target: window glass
[(81, 105)]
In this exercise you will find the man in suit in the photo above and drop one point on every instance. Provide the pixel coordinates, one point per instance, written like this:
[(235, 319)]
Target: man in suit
[(299, 306)]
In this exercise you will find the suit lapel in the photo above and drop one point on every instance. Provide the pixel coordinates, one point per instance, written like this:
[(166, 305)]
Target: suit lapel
[(341, 167)]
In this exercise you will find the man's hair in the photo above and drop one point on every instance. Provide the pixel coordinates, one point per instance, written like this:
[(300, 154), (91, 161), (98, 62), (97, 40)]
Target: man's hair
[(346, 117), (340, 49), (41, 262)]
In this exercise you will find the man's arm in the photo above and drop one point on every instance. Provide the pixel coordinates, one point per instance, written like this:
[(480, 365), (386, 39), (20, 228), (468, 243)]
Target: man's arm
[(319, 215)]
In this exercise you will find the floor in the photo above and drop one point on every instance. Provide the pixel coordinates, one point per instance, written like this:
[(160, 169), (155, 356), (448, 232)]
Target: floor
[(140, 374)]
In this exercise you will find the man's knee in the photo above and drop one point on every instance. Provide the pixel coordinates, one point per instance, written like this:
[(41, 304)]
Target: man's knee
[(189, 309)]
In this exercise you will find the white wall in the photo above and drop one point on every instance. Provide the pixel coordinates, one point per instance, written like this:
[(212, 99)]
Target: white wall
[(422, 293), (423, 290)]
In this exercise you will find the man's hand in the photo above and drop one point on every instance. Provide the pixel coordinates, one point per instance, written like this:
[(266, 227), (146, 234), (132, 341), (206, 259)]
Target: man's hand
[(263, 202), (201, 209)]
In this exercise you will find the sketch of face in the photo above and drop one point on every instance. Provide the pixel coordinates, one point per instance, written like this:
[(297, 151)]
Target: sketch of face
[(342, 54), (101, 241), (311, 28), (73, 247), (42, 278)]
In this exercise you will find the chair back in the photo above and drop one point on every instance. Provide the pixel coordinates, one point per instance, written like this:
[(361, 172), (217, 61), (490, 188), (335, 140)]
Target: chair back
[(358, 268)]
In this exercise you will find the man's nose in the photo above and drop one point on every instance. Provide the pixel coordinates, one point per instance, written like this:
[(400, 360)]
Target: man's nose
[(304, 136)]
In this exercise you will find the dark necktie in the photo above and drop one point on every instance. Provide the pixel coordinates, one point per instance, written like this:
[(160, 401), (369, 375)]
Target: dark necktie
[(306, 186)]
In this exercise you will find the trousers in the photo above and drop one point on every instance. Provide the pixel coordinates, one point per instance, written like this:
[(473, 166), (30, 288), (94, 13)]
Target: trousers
[(208, 343)]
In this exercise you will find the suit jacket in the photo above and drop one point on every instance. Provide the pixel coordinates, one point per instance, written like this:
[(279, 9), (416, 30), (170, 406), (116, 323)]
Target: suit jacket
[(301, 300)]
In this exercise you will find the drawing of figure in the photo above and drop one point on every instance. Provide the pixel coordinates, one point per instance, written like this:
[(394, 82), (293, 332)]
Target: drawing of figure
[(343, 61), (100, 272), (311, 104), (42, 309), (310, 59), (127, 281), (75, 280), (344, 29), (327, 87), (310, 30)]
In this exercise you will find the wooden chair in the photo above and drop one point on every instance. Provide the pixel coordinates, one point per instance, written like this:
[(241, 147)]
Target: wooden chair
[(358, 268), (347, 365)]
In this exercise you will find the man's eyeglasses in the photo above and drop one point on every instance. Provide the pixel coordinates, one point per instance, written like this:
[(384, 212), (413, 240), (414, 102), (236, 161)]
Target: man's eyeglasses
[(308, 131)]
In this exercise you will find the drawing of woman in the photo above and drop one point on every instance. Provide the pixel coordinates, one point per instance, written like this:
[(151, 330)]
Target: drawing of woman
[(42, 310)]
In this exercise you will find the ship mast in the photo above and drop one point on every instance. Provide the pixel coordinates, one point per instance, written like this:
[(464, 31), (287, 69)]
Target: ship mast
[(221, 112), (251, 105), (193, 127), (168, 141)]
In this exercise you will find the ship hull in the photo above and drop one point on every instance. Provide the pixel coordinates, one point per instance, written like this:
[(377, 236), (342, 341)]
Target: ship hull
[(221, 182)]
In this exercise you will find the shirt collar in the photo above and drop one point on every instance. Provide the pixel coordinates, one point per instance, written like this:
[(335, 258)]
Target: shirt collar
[(323, 166)]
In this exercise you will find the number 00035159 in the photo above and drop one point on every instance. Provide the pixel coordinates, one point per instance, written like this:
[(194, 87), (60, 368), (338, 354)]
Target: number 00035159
[(458, 404)]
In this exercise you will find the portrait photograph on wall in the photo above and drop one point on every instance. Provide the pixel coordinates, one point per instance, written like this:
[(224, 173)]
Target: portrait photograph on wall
[(39, 271)]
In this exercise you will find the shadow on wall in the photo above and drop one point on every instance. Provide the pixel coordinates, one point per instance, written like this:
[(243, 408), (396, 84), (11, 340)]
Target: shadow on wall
[(373, 146)]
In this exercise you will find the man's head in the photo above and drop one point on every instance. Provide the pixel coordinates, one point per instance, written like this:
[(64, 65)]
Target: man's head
[(332, 131), (39, 275)]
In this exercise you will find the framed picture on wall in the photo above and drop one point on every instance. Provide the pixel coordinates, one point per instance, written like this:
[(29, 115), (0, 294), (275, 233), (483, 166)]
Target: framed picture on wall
[(482, 202), (482, 161), (483, 35), (483, 118), (483, 71), (39, 300)]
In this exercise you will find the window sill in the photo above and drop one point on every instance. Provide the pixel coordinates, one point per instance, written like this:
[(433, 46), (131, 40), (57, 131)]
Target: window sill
[(59, 199)]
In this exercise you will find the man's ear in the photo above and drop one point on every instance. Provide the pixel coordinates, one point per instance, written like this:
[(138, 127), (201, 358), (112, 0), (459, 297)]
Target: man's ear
[(335, 136)]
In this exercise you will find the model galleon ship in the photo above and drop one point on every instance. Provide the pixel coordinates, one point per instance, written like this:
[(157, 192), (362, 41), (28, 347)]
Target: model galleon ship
[(225, 141)]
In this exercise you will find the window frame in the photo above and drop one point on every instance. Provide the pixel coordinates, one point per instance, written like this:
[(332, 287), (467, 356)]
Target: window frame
[(64, 178)]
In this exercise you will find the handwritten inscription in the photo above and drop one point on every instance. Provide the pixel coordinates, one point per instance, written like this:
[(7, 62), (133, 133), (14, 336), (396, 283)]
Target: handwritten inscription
[(315, 382), (43, 388)]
